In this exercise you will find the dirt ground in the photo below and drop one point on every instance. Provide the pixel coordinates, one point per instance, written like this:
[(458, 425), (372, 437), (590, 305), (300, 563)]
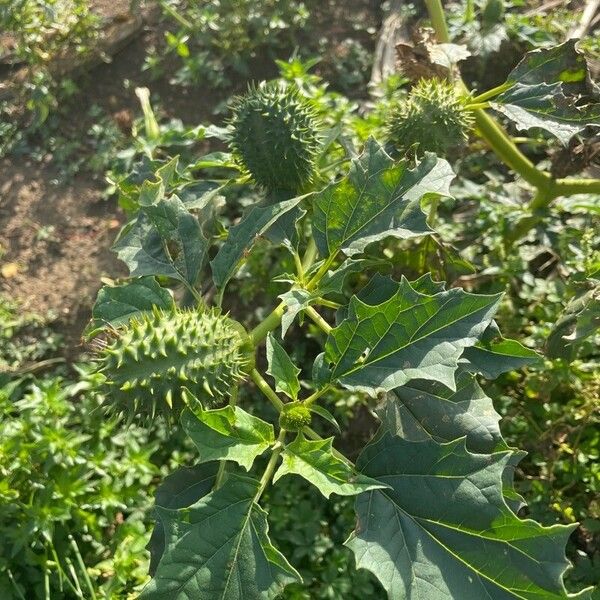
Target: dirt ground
[(56, 242)]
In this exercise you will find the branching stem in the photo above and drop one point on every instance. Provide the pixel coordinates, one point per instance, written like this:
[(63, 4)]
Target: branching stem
[(501, 143), (268, 474), (318, 319)]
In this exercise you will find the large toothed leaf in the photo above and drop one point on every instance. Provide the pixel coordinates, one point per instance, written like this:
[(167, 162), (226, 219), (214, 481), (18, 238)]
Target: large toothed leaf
[(444, 531), (427, 410), (424, 410), (315, 461), (228, 433), (492, 358), (559, 64), (181, 488), (282, 369), (551, 90), (397, 334), (378, 198), (546, 106), (219, 549), (165, 239), (242, 236), (115, 305)]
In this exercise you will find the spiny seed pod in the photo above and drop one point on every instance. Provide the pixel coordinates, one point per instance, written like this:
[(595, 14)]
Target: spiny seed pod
[(157, 354), (294, 416), (432, 119), (276, 136)]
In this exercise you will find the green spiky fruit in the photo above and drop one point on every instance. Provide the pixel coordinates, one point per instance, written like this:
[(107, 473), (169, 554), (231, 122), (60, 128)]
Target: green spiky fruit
[(159, 354), (294, 416), (432, 119), (275, 136)]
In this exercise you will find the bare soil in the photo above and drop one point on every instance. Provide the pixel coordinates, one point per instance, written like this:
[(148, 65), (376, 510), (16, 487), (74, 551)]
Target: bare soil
[(56, 239)]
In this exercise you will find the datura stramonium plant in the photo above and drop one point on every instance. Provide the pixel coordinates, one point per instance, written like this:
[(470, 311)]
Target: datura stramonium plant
[(433, 118), (159, 354), (275, 136)]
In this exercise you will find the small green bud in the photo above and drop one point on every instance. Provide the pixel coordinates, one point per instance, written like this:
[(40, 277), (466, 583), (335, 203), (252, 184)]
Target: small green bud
[(275, 136), (432, 119), (294, 416)]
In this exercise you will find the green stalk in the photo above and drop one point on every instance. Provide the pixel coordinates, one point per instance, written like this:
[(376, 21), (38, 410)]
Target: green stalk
[(223, 463), (318, 319), (503, 146), (266, 389), (259, 333), (81, 564), (171, 11), (316, 395), (15, 586), (492, 93), (310, 255), (438, 20), (469, 11), (569, 187), (268, 474)]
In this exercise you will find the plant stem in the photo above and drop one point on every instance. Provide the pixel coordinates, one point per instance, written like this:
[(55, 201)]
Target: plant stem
[(569, 187), (321, 272), (299, 267), (493, 92), (316, 395), (223, 463), (476, 105), (438, 20), (266, 389), (259, 333), (318, 319), (81, 564), (469, 11), (268, 474), (310, 255), (181, 20), (503, 146), (328, 303), (15, 586)]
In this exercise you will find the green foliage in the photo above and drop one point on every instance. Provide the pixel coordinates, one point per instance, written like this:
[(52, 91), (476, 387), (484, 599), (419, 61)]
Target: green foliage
[(225, 532), (433, 118), (42, 32), (550, 88), (24, 337), (452, 524), (228, 433), (217, 41), (417, 346), (74, 486), (275, 136), (156, 356)]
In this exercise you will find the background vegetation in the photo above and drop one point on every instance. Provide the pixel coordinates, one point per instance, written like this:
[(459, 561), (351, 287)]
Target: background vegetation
[(77, 488)]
